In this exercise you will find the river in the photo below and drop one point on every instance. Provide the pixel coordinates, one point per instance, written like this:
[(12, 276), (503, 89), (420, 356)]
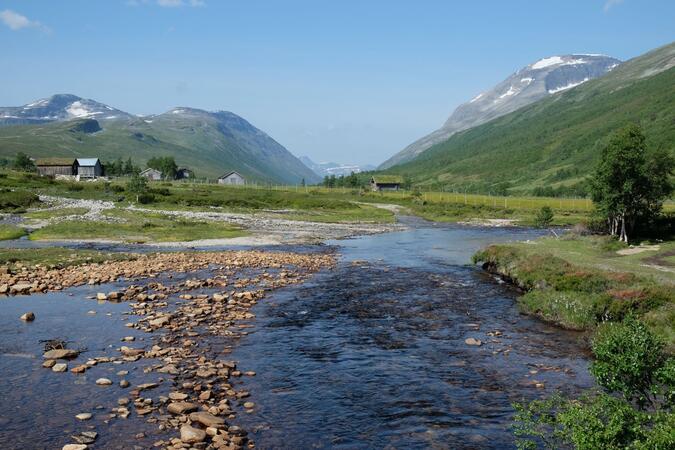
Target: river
[(371, 354)]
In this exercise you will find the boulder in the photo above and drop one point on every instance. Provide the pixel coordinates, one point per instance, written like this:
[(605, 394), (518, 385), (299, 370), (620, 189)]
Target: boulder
[(61, 353), (181, 407), (207, 419), (28, 317), (191, 435)]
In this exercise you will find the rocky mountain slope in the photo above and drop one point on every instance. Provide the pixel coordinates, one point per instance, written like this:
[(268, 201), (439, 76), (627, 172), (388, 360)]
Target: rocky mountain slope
[(538, 80), (208, 142), (555, 142)]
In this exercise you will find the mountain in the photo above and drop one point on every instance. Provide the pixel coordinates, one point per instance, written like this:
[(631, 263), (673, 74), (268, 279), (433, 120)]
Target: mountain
[(330, 168), (59, 107), (541, 79), (555, 143), (208, 142)]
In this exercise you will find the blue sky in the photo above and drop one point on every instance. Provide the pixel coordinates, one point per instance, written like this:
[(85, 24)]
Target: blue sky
[(348, 81)]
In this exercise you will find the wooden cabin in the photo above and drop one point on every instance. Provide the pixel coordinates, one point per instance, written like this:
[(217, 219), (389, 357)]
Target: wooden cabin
[(232, 178), (151, 174), (386, 182), (89, 168), (57, 166)]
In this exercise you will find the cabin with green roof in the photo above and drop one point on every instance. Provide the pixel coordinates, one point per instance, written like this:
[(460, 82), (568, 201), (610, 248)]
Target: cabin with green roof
[(57, 166), (386, 182)]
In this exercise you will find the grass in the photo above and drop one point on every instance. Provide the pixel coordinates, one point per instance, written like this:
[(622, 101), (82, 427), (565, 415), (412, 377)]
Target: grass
[(11, 232), (56, 257), (137, 227), (16, 200), (578, 282), (52, 213)]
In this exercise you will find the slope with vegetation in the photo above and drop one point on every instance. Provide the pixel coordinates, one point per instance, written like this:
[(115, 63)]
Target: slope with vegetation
[(555, 142)]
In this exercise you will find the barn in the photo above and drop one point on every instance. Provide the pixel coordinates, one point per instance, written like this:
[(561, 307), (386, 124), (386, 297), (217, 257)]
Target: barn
[(89, 168), (232, 178), (151, 174), (386, 182), (57, 166)]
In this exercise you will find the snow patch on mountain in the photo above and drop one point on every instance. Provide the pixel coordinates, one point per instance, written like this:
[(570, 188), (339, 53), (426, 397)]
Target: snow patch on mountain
[(567, 86), (546, 62)]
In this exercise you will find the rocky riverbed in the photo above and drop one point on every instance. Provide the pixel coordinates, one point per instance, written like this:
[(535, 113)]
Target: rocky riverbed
[(186, 312)]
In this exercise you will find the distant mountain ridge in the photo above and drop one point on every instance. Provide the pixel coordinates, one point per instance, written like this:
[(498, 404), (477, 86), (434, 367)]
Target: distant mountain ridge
[(208, 142), (331, 168), (554, 143), (538, 80)]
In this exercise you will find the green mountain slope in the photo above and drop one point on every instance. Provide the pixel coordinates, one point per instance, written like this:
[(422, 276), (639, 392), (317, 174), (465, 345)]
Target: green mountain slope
[(209, 143), (555, 142)]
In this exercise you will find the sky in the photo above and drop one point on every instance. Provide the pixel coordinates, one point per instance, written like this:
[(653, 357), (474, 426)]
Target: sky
[(341, 80)]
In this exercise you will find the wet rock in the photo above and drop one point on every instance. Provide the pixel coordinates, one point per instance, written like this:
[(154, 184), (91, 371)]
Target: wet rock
[(207, 419), (83, 416), (101, 296), (191, 435), (144, 386), (103, 382), (249, 405), (4, 288), (27, 317), (60, 367), (473, 341), (49, 363), (75, 447), (178, 396), (79, 369), (181, 407), (160, 321), (20, 288), (61, 353), (124, 384)]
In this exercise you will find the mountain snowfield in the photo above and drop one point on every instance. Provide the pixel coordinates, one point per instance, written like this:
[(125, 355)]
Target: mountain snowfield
[(210, 143), (543, 78), (323, 169)]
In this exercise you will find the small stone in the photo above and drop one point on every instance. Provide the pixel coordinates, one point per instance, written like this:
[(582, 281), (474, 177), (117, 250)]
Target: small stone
[(191, 435), (181, 407), (60, 367), (103, 382), (124, 383), (128, 339), (472, 341), (62, 353), (83, 416), (79, 369), (28, 317), (101, 296), (49, 363), (178, 396), (74, 447), (207, 419), (249, 405)]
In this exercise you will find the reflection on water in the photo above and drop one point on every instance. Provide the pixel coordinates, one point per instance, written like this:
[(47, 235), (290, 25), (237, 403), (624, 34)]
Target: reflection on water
[(372, 355), (369, 355)]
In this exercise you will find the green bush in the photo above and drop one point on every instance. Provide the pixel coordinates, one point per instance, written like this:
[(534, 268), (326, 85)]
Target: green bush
[(544, 217)]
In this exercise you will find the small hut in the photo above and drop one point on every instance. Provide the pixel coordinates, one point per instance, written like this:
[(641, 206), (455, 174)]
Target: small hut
[(89, 168), (232, 178), (151, 174), (184, 173), (386, 182), (57, 166)]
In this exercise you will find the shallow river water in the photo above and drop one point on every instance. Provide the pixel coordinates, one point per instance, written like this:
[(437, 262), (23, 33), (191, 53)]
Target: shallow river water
[(368, 355)]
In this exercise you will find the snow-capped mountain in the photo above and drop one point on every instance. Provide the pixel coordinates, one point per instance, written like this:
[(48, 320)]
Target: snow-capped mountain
[(545, 77), (57, 108), (330, 168)]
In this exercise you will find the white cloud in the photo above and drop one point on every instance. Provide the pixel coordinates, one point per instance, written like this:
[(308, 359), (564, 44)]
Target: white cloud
[(16, 21), (609, 4)]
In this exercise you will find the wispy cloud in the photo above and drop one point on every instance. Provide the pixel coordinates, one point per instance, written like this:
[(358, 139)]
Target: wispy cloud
[(16, 21), (168, 3), (609, 4)]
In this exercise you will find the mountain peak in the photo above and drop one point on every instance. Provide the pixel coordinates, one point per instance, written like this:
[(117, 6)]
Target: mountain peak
[(59, 107), (544, 77)]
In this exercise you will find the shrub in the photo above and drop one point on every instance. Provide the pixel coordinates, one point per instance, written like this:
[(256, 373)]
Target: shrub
[(145, 198), (544, 217)]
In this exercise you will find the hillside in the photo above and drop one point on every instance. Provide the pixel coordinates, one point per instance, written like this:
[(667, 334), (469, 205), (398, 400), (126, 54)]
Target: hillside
[(555, 142), (208, 142), (538, 80)]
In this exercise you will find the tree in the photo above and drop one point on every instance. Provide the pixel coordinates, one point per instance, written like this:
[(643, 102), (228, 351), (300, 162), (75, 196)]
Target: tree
[(628, 187), (544, 217), (137, 185), (23, 162), (166, 165), (302, 183), (128, 168)]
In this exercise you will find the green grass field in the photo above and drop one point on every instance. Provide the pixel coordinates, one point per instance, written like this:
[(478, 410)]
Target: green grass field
[(578, 282), (11, 232)]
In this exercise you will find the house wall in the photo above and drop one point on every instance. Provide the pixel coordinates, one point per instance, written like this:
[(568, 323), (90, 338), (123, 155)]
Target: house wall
[(232, 179), (90, 171), (386, 187), (55, 170)]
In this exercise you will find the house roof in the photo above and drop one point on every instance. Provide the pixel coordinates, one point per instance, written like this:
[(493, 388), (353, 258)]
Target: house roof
[(227, 174), (388, 179), (55, 161), (150, 169), (87, 161)]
